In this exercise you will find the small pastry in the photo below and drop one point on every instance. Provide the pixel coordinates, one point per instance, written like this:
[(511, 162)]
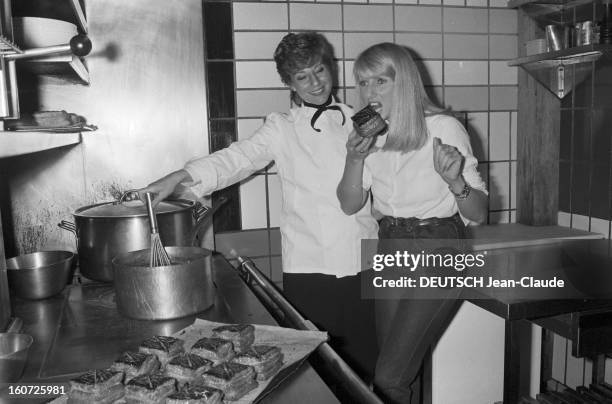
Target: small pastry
[(135, 364), (196, 394), (368, 122), (187, 367), (241, 335), (165, 348), (234, 379), (265, 359), (96, 387), (215, 349), (149, 389)]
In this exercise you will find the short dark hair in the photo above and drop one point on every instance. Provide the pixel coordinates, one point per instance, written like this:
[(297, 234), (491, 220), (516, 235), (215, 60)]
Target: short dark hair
[(297, 51)]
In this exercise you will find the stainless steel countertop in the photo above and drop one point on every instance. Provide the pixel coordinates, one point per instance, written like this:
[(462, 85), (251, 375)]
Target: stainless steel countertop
[(81, 329)]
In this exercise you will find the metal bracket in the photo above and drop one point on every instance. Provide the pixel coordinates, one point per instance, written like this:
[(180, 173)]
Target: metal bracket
[(560, 81)]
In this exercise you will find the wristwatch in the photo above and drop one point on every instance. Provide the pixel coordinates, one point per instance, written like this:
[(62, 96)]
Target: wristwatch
[(465, 192)]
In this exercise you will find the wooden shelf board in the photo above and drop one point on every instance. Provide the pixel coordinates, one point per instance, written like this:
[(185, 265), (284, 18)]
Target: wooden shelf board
[(18, 143)]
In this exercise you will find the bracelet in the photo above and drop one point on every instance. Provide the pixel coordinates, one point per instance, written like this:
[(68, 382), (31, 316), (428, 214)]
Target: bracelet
[(465, 192)]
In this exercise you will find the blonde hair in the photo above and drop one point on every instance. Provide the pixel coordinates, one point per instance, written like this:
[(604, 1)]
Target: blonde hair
[(407, 127)]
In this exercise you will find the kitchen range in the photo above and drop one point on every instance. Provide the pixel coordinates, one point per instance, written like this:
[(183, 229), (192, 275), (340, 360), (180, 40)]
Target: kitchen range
[(81, 330)]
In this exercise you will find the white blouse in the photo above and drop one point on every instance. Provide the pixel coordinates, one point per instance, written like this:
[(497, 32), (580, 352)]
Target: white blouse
[(407, 185), (317, 237)]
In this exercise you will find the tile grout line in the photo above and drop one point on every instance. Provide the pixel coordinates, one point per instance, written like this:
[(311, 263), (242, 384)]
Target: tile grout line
[(238, 190)]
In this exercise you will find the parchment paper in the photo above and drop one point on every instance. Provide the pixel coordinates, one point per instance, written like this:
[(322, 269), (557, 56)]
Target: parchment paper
[(295, 345)]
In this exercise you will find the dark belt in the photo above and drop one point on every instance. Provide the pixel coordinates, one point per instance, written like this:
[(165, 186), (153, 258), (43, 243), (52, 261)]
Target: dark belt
[(411, 222)]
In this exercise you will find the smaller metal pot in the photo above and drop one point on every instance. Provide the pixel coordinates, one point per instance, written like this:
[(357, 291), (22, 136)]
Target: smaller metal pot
[(13, 356), (164, 292), (39, 275)]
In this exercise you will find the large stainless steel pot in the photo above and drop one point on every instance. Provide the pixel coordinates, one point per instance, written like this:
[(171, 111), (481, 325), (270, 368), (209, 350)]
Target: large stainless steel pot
[(106, 230), (164, 292)]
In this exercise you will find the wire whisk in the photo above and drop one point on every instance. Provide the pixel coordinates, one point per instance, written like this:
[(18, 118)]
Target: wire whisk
[(159, 256)]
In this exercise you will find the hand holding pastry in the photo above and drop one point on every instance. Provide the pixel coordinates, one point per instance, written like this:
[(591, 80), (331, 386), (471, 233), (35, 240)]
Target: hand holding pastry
[(358, 148)]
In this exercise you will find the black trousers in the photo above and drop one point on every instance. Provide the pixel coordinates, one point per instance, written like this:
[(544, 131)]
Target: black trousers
[(407, 326), (335, 305)]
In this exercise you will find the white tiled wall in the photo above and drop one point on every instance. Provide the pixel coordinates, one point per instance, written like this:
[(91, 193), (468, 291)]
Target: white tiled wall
[(257, 74), (261, 16), (259, 103), (465, 73), (462, 47), (255, 45), (499, 138), (253, 195), (321, 17)]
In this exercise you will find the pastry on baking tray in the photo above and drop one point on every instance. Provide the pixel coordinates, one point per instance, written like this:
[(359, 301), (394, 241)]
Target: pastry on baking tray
[(265, 359), (241, 335), (234, 379), (165, 348), (135, 364), (368, 122), (186, 367), (215, 349), (149, 389), (196, 394), (96, 387)]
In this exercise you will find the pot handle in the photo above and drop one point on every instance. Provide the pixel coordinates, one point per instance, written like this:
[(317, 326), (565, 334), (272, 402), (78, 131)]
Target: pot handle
[(129, 195), (71, 227), (202, 215), (66, 225)]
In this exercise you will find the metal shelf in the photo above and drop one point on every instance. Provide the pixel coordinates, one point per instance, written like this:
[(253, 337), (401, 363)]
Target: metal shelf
[(577, 54), (18, 143), (555, 11), (564, 69), (556, 5), (544, 9), (79, 14), (8, 46), (69, 67), (72, 11), (65, 65)]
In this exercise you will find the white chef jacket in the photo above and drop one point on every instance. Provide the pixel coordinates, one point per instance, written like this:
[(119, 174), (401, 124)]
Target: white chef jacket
[(317, 237), (407, 185)]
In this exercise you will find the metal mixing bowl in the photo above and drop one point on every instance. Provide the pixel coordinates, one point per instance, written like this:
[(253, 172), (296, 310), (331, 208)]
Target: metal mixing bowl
[(13, 355), (39, 275)]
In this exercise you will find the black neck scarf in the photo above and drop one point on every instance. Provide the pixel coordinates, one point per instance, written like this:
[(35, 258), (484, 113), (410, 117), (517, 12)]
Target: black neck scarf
[(322, 108)]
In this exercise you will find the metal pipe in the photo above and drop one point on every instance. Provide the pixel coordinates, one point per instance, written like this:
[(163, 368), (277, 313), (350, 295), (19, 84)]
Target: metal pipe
[(40, 52), (340, 369), (79, 45)]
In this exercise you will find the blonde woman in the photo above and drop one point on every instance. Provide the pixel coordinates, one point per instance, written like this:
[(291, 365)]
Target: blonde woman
[(423, 180)]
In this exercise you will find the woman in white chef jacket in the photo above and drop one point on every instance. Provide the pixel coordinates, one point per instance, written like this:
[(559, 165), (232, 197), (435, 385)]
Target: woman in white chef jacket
[(320, 244), (423, 179)]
